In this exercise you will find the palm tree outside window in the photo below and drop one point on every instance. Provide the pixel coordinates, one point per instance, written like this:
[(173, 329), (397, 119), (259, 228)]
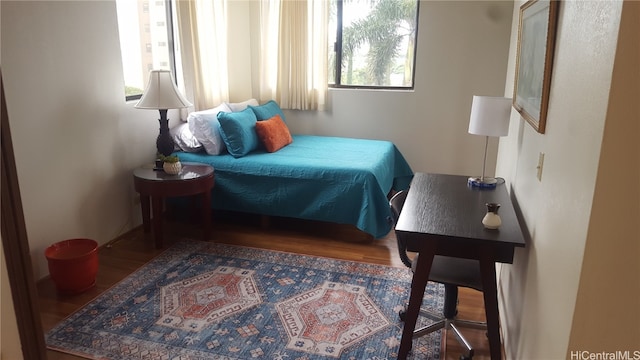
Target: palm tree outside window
[(374, 43)]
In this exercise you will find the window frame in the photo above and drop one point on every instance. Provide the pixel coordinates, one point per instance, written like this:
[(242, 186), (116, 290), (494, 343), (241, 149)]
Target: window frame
[(337, 48), (170, 46)]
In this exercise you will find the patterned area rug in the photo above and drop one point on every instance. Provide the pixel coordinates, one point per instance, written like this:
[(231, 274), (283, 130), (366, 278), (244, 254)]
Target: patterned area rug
[(202, 300)]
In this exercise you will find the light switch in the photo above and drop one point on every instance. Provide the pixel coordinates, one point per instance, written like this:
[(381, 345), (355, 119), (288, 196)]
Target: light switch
[(540, 165)]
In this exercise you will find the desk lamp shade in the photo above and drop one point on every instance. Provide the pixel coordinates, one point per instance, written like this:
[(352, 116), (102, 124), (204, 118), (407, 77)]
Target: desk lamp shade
[(162, 94), (489, 117)]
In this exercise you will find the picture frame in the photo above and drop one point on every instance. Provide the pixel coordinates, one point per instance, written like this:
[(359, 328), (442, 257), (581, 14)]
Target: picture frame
[(534, 61)]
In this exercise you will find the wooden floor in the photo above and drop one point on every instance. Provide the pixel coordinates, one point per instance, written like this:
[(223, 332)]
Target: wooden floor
[(124, 255)]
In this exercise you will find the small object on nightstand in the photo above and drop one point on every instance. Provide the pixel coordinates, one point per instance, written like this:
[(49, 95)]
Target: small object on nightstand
[(492, 220), (171, 164), (172, 168)]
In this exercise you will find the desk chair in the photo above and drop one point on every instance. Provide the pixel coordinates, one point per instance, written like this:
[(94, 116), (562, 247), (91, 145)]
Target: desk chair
[(450, 271)]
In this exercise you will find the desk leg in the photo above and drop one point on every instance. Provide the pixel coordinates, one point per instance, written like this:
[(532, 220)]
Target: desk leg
[(145, 206), (157, 220), (490, 292), (206, 214), (418, 284)]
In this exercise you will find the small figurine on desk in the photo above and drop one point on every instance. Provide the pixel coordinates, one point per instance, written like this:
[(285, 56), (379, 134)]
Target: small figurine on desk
[(492, 220)]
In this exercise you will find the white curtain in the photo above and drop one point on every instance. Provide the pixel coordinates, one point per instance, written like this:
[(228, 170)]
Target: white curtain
[(203, 43), (268, 48), (293, 53)]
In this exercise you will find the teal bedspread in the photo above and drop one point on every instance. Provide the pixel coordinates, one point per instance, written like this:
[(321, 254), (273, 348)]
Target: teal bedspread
[(340, 180)]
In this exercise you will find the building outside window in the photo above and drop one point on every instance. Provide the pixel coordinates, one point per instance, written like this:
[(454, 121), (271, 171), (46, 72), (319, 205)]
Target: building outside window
[(144, 40)]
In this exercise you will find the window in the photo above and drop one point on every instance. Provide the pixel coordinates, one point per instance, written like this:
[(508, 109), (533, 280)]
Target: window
[(146, 42), (372, 43)]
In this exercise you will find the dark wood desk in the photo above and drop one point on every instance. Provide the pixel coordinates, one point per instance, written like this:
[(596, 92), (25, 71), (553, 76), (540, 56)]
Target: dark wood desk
[(155, 185), (443, 216)]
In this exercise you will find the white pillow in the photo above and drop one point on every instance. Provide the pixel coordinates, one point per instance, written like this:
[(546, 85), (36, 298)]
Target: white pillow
[(235, 107), (184, 139), (205, 127)]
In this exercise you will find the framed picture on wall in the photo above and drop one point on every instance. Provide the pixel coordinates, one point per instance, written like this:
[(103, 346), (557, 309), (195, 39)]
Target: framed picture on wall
[(536, 42)]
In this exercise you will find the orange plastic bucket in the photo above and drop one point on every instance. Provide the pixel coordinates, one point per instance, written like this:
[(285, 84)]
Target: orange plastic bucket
[(73, 264)]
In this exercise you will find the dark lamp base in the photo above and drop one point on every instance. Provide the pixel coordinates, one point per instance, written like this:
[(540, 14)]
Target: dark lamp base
[(164, 142)]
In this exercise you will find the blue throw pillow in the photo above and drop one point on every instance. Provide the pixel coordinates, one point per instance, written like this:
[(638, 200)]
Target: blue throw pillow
[(238, 130), (267, 110)]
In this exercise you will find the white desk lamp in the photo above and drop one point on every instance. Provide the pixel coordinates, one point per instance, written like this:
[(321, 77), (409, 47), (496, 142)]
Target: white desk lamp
[(489, 117)]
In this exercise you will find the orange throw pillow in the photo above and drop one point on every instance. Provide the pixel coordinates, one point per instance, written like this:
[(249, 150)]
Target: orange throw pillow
[(273, 133)]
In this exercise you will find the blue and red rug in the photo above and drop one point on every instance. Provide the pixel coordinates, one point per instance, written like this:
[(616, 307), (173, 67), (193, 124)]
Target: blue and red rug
[(202, 300)]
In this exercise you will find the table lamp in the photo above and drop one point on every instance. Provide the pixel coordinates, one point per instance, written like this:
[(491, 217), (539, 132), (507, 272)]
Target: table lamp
[(489, 117), (162, 94)]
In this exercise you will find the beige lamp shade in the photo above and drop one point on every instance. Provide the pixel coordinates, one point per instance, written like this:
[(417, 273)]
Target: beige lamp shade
[(162, 93)]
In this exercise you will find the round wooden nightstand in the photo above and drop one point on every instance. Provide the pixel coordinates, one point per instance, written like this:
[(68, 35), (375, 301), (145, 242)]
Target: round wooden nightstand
[(155, 185)]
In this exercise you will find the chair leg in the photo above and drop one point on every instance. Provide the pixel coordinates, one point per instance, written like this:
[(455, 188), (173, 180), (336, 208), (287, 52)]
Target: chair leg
[(402, 314), (450, 301), (430, 328), (468, 355), (478, 325), (449, 322)]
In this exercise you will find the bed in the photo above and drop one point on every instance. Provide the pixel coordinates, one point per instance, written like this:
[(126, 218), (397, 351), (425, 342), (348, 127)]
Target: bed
[(334, 179)]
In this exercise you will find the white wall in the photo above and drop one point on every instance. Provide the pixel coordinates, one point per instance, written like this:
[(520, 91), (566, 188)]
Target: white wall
[(77, 141), (610, 277), (538, 292), (462, 50)]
